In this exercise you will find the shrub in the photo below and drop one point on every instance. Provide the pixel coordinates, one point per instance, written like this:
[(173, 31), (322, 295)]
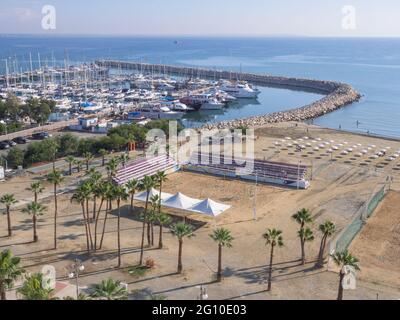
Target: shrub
[(15, 158), (68, 145)]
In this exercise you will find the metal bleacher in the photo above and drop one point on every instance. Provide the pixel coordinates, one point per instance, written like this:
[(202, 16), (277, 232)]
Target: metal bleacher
[(142, 167), (270, 172)]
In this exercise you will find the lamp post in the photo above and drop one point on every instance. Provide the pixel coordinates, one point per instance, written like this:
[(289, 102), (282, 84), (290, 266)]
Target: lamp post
[(76, 269), (203, 293)]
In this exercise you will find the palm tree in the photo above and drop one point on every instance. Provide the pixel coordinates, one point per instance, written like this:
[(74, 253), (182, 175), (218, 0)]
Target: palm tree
[(223, 238), (273, 238), (81, 196), (36, 188), (160, 177), (103, 153), (152, 216), (88, 158), (120, 195), (110, 290), (10, 270), (132, 186), (146, 184), (124, 158), (87, 189), (56, 178), (71, 161), (94, 181), (78, 164), (181, 230), (35, 209), (8, 200), (101, 192), (81, 296), (112, 167), (163, 220), (327, 229), (305, 235), (343, 259), (110, 196), (302, 217), (32, 288)]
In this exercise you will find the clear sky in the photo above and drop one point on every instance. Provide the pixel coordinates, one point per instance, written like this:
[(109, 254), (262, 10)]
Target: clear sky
[(203, 17)]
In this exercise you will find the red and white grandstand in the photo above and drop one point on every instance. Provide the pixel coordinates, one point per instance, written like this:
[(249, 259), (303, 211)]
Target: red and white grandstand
[(142, 167)]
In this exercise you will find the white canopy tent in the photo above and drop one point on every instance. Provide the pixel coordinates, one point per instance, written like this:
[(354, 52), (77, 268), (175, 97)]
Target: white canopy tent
[(153, 192), (210, 208), (180, 201)]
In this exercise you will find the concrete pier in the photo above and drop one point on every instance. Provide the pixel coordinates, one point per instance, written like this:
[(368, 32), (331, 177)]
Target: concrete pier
[(337, 94)]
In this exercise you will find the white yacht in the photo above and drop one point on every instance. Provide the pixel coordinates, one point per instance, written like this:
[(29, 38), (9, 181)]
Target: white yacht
[(175, 105), (212, 104), (156, 111), (239, 90)]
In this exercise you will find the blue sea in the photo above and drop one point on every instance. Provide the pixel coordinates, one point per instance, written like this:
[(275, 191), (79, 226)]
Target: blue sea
[(371, 65)]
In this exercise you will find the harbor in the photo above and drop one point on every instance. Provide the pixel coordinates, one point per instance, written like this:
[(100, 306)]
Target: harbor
[(125, 92)]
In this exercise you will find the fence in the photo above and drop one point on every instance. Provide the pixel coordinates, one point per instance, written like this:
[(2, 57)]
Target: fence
[(345, 238)]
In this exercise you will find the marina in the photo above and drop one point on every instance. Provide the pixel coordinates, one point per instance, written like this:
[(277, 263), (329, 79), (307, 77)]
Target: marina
[(135, 92)]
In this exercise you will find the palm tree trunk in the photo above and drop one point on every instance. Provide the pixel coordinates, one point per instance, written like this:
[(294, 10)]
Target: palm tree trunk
[(96, 223), (271, 259), (36, 197), (219, 273), (9, 222), (143, 229), (104, 227), (320, 262), (132, 196), (86, 226), (2, 292), (103, 161), (55, 216), (70, 169), (94, 207), (180, 266), (119, 234), (340, 290), (303, 254), (35, 237), (152, 233), (160, 240), (148, 234), (87, 165)]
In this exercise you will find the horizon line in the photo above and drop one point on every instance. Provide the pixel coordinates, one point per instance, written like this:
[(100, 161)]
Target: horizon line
[(48, 34)]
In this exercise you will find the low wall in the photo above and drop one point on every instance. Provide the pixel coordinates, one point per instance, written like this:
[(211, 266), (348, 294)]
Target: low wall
[(50, 127)]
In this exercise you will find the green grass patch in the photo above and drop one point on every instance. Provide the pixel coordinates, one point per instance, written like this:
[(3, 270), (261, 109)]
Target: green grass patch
[(138, 271)]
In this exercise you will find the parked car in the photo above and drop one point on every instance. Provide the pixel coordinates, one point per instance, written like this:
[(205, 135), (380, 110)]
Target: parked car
[(4, 145), (10, 143), (41, 135), (20, 140)]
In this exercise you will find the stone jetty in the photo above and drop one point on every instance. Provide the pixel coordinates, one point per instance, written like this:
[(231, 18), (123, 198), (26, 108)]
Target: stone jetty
[(336, 94)]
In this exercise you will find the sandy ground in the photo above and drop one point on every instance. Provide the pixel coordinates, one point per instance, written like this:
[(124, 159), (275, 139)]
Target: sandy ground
[(337, 191), (378, 244)]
